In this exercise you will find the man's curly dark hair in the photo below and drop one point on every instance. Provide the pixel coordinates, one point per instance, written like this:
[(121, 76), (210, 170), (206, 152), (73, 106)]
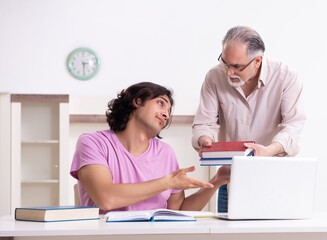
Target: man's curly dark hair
[(120, 108)]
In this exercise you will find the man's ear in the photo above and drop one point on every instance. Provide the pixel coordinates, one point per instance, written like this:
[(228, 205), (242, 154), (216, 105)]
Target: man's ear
[(258, 61)]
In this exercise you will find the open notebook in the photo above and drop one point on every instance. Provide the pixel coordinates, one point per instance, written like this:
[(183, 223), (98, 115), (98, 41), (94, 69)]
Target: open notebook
[(271, 188)]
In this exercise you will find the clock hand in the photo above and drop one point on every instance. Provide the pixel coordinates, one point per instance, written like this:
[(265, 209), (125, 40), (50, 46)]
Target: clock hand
[(84, 63)]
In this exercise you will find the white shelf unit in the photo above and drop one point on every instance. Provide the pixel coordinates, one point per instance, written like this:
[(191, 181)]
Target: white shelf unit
[(5, 162), (39, 149)]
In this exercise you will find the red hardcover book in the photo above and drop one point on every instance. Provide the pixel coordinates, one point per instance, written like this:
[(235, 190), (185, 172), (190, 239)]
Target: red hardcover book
[(226, 150)]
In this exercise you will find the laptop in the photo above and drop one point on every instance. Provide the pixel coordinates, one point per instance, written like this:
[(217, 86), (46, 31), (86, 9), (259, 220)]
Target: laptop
[(271, 188)]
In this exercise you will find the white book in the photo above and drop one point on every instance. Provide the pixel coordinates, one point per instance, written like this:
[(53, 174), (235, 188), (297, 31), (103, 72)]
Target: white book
[(155, 215)]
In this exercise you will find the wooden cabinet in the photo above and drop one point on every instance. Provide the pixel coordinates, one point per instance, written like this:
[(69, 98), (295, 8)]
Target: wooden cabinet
[(39, 150)]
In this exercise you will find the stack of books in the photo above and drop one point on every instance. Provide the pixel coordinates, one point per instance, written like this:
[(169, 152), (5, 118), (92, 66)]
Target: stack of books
[(221, 153)]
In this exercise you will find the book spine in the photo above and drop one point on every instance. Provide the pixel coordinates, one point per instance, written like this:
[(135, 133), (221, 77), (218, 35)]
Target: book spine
[(213, 164), (216, 159)]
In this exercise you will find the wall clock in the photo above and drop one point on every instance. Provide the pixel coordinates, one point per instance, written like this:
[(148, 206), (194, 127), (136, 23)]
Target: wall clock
[(83, 63)]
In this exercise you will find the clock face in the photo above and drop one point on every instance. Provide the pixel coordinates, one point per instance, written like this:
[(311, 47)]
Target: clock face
[(83, 63)]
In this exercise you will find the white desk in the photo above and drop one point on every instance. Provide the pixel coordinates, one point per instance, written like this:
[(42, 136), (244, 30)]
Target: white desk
[(315, 228)]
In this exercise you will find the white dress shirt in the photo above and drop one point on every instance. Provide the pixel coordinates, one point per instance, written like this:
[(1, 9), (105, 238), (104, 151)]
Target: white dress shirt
[(271, 113)]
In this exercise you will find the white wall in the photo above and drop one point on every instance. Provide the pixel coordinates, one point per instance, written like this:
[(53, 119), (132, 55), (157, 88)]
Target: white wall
[(171, 42)]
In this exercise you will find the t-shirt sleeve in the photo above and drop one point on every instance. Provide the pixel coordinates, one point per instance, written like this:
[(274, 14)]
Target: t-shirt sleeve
[(89, 150)]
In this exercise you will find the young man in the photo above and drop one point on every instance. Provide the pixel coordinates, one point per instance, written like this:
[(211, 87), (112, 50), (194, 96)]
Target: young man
[(248, 97), (128, 167)]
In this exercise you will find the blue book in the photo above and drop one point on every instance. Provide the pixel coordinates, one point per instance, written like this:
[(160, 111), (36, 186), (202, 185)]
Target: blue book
[(215, 162), (56, 213)]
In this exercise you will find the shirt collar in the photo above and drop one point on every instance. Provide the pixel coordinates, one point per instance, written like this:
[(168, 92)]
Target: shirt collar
[(263, 73)]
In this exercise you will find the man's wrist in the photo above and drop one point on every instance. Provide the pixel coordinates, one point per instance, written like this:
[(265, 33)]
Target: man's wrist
[(275, 148)]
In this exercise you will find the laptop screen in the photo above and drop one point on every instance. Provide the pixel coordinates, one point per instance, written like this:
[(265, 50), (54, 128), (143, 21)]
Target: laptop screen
[(271, 188)]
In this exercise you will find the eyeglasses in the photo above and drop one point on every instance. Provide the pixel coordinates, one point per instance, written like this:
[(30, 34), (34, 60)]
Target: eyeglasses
[(234, 67)]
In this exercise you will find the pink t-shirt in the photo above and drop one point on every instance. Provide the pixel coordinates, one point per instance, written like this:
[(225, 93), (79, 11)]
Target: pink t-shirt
[(104, 148)]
